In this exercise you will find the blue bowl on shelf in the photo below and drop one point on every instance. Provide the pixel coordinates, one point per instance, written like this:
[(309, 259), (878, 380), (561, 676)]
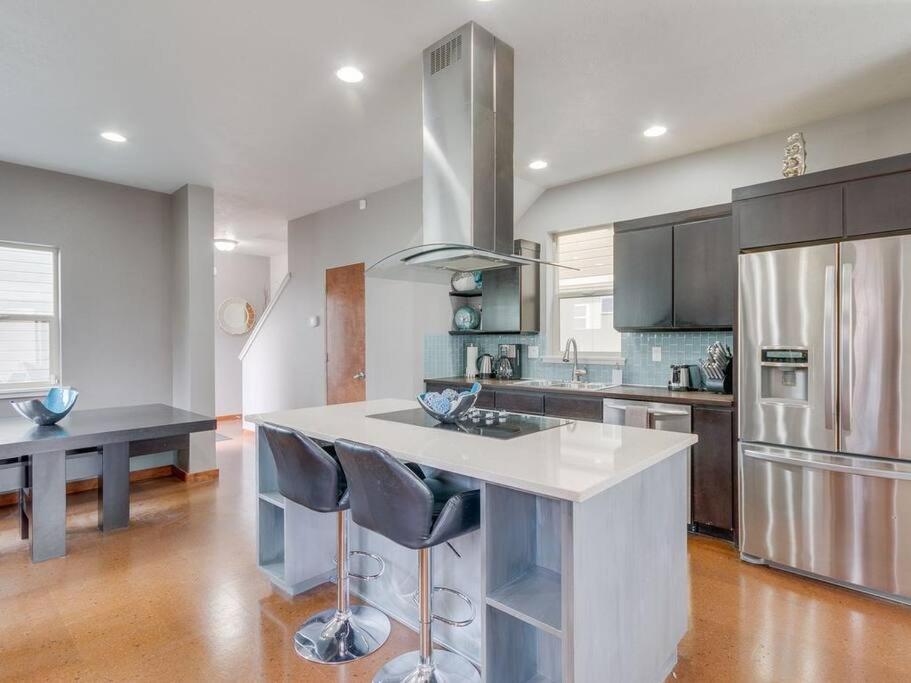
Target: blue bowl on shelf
[(449, 406), (50, 409)]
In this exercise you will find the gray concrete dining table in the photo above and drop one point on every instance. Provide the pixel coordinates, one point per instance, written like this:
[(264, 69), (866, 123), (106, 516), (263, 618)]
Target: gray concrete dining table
[(35, 457)]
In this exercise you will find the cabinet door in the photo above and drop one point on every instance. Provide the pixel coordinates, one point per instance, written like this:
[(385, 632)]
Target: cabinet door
[(574, 407), (528, 402), (643, 278), (792, 217), (878, 204), (704, 274), (713, 467)]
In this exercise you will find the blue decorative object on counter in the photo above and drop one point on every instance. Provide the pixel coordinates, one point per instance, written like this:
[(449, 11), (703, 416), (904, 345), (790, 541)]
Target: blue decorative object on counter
[(49, 410), (440, 407), (466, 318)]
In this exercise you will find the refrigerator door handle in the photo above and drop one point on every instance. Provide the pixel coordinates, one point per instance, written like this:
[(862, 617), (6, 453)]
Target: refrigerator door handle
[(847, 345), (832, 464), (828, 349)]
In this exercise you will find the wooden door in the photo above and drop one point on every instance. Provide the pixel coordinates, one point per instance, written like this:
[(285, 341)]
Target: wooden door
[(643, 282), (704, 270), (345, 332)]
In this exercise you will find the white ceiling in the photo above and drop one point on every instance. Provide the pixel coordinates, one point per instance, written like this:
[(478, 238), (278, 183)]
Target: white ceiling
[(242, 95)]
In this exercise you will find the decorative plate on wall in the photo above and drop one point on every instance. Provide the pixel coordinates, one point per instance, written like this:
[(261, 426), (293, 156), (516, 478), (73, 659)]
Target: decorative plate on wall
[(236, 315)]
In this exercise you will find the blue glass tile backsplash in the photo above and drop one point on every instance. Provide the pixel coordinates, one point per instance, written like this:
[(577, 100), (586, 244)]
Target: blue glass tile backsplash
[(444, 355)]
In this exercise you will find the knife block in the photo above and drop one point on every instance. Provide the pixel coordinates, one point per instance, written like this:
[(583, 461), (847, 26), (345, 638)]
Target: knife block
[(722, 386)]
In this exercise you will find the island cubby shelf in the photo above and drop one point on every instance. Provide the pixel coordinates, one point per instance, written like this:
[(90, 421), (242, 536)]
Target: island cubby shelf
[(534, 597), (528, 555)]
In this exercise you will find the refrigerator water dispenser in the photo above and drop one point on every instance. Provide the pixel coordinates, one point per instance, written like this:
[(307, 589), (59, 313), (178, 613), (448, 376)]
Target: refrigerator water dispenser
[(784, 374)]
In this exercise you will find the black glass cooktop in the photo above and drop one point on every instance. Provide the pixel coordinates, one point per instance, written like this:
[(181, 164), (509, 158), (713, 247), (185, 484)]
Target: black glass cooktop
[(490, 423)]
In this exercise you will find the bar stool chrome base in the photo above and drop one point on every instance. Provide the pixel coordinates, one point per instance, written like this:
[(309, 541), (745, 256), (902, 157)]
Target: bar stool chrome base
[(333, 637), (446, 667)]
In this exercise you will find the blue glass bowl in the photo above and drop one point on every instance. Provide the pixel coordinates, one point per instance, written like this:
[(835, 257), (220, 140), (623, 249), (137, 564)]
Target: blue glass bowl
[(49, 410)]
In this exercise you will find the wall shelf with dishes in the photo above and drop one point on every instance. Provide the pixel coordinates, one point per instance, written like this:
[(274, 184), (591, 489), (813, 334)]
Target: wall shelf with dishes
[(466, 298)]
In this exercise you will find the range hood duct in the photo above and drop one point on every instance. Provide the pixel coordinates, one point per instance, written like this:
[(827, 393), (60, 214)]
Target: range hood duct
[(468, 142), (468, 158)]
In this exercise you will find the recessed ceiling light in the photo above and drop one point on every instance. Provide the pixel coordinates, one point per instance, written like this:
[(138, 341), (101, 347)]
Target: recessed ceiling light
[(537, 164), (112, 136), (224, 244), (350, 74), (654, 131)]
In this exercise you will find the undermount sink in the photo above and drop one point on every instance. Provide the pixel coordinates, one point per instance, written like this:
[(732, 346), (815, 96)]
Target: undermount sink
[(563, 384)]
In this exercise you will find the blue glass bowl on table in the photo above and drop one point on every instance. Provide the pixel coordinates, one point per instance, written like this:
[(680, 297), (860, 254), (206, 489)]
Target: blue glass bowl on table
[(50, 409), (449, 406)]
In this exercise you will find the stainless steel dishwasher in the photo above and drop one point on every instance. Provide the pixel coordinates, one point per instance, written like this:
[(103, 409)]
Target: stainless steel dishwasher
[(668, 417)]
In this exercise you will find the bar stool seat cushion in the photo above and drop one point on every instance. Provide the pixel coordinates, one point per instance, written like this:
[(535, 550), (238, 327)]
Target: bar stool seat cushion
[(400, 502)]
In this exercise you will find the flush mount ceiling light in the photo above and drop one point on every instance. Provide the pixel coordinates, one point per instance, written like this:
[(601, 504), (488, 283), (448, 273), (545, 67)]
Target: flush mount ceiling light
[(537, 165), (224, 244), (350, 74), (654, 131), (113, 136)]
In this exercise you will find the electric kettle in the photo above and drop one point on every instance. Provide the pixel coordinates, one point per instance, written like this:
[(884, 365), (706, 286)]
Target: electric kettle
[(485, 366)]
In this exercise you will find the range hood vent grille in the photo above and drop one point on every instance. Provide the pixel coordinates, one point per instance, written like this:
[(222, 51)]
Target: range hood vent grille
[(446, 54)]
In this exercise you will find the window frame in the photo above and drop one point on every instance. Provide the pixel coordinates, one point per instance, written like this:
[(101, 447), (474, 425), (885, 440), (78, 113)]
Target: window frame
[(552, 287), (54, 334)]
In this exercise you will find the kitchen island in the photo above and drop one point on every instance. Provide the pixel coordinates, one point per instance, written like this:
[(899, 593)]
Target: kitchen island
[(579, 569)]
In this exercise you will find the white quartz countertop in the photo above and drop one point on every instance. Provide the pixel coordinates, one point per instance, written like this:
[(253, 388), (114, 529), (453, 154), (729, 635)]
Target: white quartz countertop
[(573, 462)]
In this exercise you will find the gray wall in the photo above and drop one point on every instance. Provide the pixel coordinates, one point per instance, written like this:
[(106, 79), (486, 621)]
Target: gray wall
[(247, 277), (286, 367), (708, 177), (192, 296), (396, 323), (115, 251)]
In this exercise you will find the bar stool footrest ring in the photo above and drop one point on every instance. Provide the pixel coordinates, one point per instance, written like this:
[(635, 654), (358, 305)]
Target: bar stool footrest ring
[(368, 577), (461, 596)]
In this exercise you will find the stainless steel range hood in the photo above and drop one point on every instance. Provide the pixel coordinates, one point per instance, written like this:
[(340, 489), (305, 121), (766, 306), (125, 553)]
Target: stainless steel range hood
[(468, 159)]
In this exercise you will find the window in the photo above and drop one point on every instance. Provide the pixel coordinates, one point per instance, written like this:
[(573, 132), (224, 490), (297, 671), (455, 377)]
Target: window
[(585, 297), (29, 317)]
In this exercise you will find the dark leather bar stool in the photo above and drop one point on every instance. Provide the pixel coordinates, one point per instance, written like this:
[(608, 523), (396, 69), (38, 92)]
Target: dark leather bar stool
[(399, 502), (311, 476)]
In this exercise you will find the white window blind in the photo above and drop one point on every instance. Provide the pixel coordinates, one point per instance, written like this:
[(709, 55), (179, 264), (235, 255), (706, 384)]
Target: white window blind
[(592, 252), (585, 303), (28, 316)]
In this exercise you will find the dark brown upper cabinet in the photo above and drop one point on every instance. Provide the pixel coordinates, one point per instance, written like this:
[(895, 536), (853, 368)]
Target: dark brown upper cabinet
[(643, 278), (675, 271), (705, 270), (880, 204), (789, 218)]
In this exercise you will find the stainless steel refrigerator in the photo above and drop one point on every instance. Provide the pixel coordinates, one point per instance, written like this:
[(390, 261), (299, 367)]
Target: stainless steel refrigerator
[(825, 411)]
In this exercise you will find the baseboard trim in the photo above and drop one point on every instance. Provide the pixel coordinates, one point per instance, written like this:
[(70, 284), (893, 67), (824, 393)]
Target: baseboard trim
[(232, 416), (91, 484), (194, 477)]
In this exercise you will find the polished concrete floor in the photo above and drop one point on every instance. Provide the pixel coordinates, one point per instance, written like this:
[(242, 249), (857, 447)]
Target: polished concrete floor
[(177, 597)]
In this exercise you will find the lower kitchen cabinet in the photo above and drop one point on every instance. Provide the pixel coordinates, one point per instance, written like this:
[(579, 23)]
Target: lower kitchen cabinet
[(713, 471), (528, 402), (574, 407)]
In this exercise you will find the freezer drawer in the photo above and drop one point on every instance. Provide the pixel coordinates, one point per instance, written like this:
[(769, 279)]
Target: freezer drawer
[(840, 517)]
